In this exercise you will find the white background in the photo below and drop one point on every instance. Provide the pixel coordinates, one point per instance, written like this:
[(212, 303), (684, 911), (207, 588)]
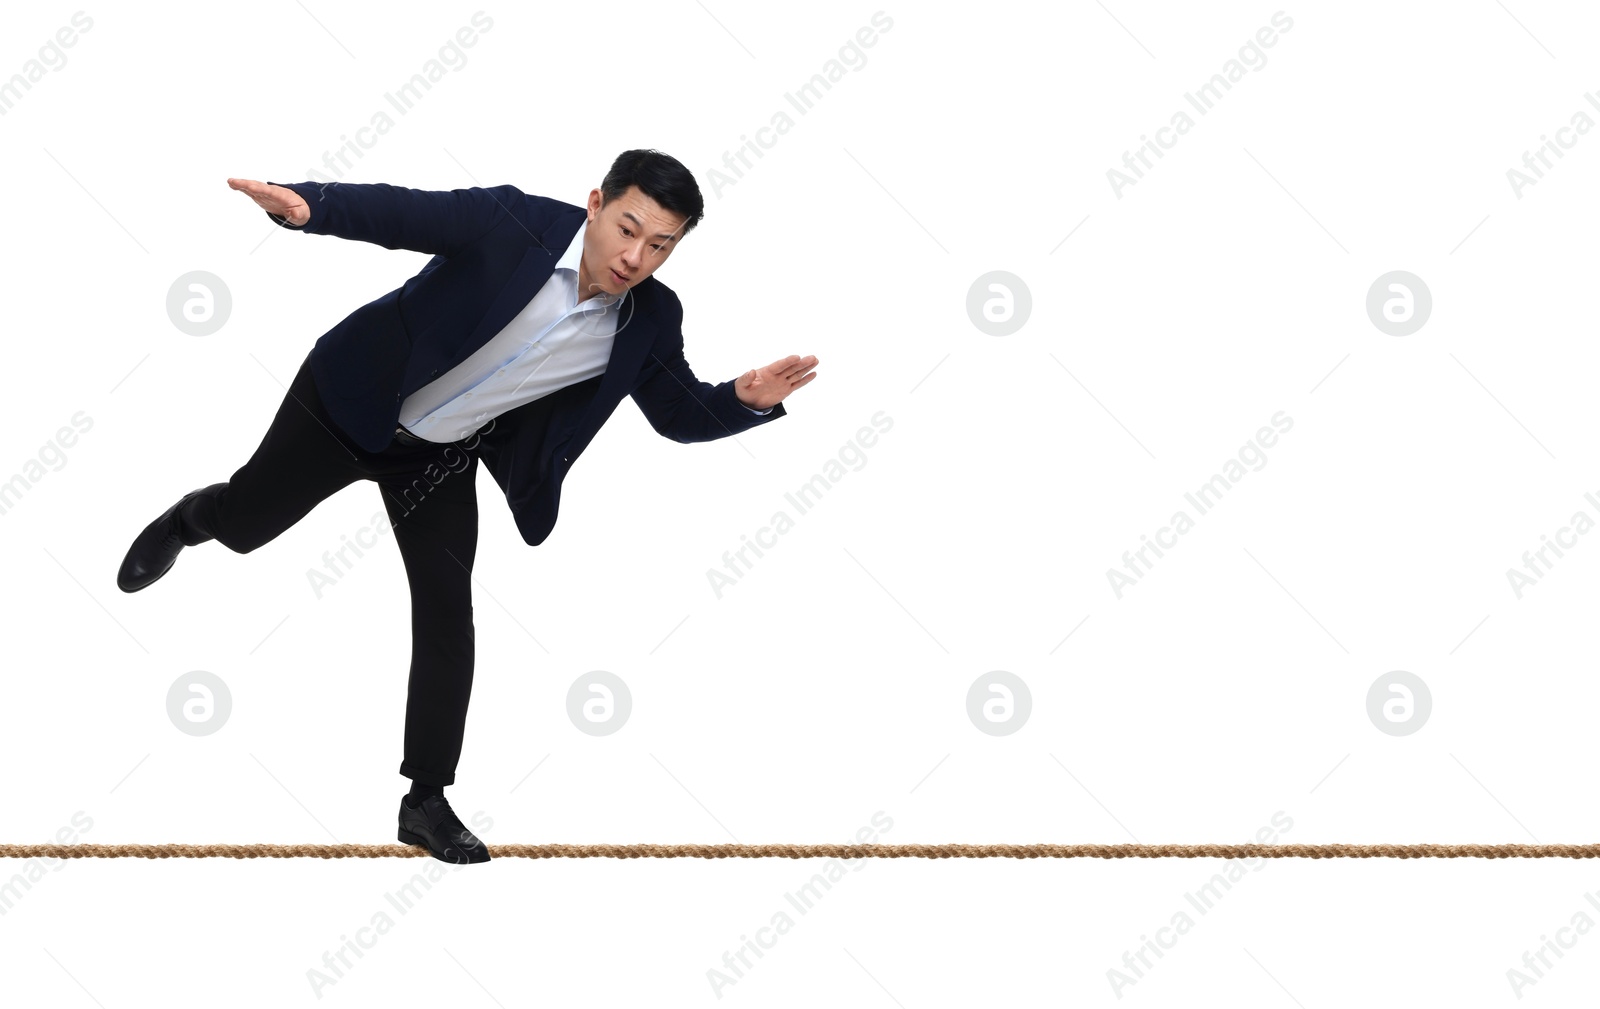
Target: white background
[(1168, 324)]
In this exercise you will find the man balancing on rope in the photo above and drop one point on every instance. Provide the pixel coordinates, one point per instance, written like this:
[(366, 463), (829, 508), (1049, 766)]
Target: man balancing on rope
[(513, 344)]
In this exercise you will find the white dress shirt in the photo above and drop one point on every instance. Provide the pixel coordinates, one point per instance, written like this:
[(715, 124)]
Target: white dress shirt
[(552, 343)]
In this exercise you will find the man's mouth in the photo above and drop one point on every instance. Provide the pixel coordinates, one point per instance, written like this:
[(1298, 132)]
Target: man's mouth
[(619, 277)]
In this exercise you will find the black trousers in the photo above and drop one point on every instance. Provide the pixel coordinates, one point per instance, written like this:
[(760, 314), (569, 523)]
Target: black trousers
[(430, 494)]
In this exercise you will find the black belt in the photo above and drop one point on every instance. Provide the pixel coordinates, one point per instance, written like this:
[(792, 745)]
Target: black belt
[(405, 437)]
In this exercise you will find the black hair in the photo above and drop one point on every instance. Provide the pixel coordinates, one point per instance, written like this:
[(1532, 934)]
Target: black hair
[(660, 177)]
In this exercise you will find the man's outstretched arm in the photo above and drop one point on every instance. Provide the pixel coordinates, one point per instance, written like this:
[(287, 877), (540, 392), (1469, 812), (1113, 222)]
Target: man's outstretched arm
[(682, 407), (437, 222)]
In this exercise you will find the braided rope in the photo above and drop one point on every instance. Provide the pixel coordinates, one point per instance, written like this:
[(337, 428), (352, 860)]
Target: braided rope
[(814, 851)]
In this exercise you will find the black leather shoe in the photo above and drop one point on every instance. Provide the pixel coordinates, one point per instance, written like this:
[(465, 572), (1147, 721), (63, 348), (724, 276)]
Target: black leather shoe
[(435, 826), (156, 548)]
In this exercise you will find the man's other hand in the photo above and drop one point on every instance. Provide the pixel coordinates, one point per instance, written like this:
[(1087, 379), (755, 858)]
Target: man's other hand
[(760, 388), (286, 203)]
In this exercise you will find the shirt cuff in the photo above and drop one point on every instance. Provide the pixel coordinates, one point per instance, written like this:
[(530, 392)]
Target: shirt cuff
[(753, 410)]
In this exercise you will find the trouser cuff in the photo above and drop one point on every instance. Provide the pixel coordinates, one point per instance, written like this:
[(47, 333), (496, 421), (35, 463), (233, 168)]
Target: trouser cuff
[(423, 777)]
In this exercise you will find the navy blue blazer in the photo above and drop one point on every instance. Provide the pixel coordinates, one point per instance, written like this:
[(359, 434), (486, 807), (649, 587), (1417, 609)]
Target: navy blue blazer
[(493, 249)]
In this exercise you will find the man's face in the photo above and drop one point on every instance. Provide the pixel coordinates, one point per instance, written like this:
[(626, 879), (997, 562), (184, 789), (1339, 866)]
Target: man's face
[(625, 241)]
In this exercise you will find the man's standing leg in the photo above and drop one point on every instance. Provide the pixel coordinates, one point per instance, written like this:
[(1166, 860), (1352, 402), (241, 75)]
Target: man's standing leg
[(436, 529), (433, 508)]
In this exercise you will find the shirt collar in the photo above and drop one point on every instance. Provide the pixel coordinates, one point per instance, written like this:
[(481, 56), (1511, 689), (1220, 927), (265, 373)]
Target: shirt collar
[(569, 261)]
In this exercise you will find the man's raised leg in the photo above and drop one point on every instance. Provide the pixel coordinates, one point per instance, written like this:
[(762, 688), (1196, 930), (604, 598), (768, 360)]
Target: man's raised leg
[(300, 462)]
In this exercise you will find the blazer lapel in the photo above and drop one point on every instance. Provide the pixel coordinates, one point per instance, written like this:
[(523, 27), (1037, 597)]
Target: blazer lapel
[(532, 272), (635, 334)]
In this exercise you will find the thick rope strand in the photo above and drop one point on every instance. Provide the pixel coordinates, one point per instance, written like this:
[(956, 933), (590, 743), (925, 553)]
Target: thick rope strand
[(814, 851)]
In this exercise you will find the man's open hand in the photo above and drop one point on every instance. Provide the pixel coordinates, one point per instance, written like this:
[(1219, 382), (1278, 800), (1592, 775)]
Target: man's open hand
[(760, 388), (285, 203)]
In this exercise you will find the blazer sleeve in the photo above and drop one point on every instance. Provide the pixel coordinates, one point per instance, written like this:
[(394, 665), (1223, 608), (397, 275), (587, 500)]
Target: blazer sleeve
[(680, 406), (437, 222)]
